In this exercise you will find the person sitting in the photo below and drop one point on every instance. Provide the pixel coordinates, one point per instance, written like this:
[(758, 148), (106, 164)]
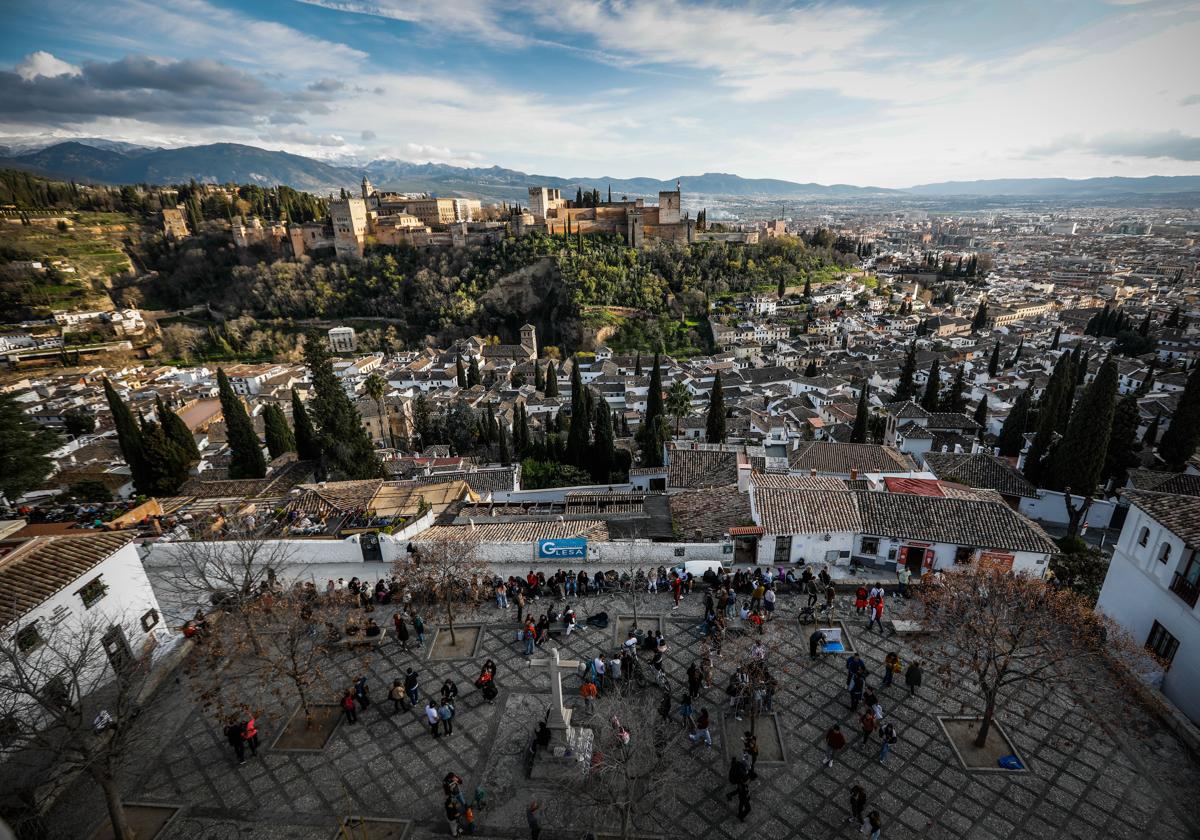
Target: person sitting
[(745, 611), (568, 618), (631, 640), (543, 735), (352, 628), (372, 629)]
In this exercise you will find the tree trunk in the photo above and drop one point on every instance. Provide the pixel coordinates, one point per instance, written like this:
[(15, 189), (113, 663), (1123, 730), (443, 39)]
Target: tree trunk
[(1075, 515), (985, 725), (116, 809), (450, 621)]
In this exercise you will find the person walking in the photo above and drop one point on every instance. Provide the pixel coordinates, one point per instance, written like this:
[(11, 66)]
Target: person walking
[(501, 596), (348, 707), (860, 600), (412, 687), (534, 819), (401, 630), (835, 742), (588, 692), (233, 734), (520, 599), (903, 576), (875, 823), (432, 717), (912, 678), (453, 812), (858, 803), (677, 590), (446, 715), (743, 795), (397, 696), (867, 721), (362, 692), (876, 619), (750, 748), (888, 738), (891, 667), (250, 735), (857, 683), (702, 731), (830, 595), (418, 624)]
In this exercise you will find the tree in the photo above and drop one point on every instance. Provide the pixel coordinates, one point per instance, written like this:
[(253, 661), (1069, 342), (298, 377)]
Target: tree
[(167, 462), (345, 445), (1057, 336), (551, 379), (954, 400), (78, 423), (308, 444), (277, 432), (1057, 391), (981, 413), (504, 451), (906, 388), (1122, 441), (981, 316), (459, 374), (177, 430), (450, 573), (579, 435), (679, 402), (1016, 357), (23, 450), (473, 372), (996, 631), (602, 457), (1179, 441), (807, 287), (246, 458), (376, 387), (1077, 461), (637, 364), (51, 694), (933, 385), (539, 381), (1150, 438), (1174, 320), (1012, 433), (714, 422), (129, 436), (861, 417), (811, 370), (994, 361), (653, 432)]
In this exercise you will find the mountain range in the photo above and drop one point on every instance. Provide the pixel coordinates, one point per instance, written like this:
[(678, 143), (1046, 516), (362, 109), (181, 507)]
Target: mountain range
[(114, 162)]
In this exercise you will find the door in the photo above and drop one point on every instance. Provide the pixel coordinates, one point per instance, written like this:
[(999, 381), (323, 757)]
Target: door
[(745, 550), (116, 646), (915, 559), (372, 552)]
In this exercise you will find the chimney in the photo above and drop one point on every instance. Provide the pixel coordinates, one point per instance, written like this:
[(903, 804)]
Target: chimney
[(812, 471), (743, 478), (854, 473)]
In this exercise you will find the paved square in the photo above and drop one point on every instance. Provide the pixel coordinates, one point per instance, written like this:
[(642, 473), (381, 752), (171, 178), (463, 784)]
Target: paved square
[(1129, 778)]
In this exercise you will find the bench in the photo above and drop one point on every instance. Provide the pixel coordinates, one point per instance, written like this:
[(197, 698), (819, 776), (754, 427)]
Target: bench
[(909, 628), (362, 639)]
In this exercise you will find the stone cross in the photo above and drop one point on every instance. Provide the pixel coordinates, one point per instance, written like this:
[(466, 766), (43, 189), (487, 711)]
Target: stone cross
[(560, 716)]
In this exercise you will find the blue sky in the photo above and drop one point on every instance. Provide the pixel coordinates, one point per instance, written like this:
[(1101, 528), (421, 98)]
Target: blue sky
[(869, 92)]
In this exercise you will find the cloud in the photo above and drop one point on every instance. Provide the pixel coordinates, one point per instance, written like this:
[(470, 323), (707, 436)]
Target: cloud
[(326, 86), (1194, 99), (42, 63), (1170, 145), (143, 88), (303, 138), (477, 19), (368, 135)]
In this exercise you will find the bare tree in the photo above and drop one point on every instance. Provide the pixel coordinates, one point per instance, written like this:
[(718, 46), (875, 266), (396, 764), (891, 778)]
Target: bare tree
[(69, 695), (631, 783), (994, 630), (448, 573)]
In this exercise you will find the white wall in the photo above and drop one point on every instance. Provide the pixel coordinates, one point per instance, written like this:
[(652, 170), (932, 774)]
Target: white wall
[(1049, 507), (556, 494)]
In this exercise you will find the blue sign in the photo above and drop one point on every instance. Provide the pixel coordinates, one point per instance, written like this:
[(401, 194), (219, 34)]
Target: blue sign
[(574, 548)]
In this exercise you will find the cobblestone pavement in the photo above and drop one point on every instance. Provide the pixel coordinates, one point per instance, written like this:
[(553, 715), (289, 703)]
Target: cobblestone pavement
[(1131, 781)]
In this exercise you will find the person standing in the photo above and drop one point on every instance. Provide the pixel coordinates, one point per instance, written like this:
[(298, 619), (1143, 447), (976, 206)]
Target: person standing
[(876, 614), (348, 707), (453, 812), (362, 692), (702, 732), (419, 628), (830, 595), (412, 687), (750, 748), (888, 738), (401, 630), (743, 795), (867, 721), (449, 691), (520, 599), (835, 742), (903, 576), (233, 734), (677, 590), (857, 683), (446, 715), (815, 641), (250, 735), (432, 717), (397, 696), (912, 677), (501, 596), (534, 819), (876, 824), (588, 692), (858, 803), (860, 599), (891, 667), (769, 602)]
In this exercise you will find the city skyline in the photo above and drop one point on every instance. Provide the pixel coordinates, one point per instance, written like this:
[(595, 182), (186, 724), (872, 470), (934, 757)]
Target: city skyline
[(881, 94)]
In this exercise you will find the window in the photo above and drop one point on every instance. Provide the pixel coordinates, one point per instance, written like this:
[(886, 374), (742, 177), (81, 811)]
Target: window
[(1162, 643), (1143, 536), (93, 592), (870, 545), (150, 620), (679, 552), (28, 638), (1164, 553), (962, 555)]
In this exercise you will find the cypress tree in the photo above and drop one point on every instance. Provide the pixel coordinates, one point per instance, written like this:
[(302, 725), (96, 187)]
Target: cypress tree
[(1122, 441), (246, 458), (1078, 459), (861, 417), (714, 422), (129, 436), (1017, 355), (345, 444), (580, 432), (980, 319), (1012, 433), (929, 401), (308, 445), (954, 400), (1058, 390), (1179, 440), (1057, 335), (994, 361), (637, 364), (551, 380), (980, 417), (807, 287), (505, 454), (488, 428), (906, 389), (1081, 368), (600, 462), (1151, 436), (24, 445), (276, 431), (653, 431), (459, 373), (166, 461), (1174, 320), (176, 430), (539, 381), (473, 373), (1144, 328), (811, 370)]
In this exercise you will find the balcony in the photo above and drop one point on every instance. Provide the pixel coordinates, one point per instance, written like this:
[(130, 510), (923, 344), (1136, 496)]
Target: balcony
[(1189, 592)]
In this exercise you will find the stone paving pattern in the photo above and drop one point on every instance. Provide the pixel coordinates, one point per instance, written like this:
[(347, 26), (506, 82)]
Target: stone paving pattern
[(1133, 781)]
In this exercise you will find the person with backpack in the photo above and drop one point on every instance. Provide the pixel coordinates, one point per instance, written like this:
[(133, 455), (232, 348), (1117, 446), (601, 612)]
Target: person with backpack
[(418, 624), (446, 715), (397, 696), (835, 742), (912, 678), (412, 687), (860, 599), (233, 734), (858, 803), (348, 707), (891, 667), (888, 737)]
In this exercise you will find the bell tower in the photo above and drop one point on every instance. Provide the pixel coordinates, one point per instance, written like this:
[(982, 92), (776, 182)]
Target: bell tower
[(529, 339)]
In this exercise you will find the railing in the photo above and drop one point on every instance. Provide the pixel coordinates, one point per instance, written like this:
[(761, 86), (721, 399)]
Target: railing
[(1189, 592)]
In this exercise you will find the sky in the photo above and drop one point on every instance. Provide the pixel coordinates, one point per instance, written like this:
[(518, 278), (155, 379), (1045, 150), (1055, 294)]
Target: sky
[(885, 93)]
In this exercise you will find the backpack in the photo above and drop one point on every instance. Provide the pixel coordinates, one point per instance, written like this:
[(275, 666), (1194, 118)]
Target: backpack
[(889, 734)]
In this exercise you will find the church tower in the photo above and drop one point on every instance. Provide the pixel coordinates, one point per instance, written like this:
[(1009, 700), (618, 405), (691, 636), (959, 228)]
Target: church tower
[(368, 189), (529, 340)]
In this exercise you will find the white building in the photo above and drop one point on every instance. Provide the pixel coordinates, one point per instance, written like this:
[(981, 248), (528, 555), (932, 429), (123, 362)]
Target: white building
[(342, 340), (1153, 585)]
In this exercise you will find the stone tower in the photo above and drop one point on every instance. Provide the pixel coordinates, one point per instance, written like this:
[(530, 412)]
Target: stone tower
[(368, 189), (529, 339)]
